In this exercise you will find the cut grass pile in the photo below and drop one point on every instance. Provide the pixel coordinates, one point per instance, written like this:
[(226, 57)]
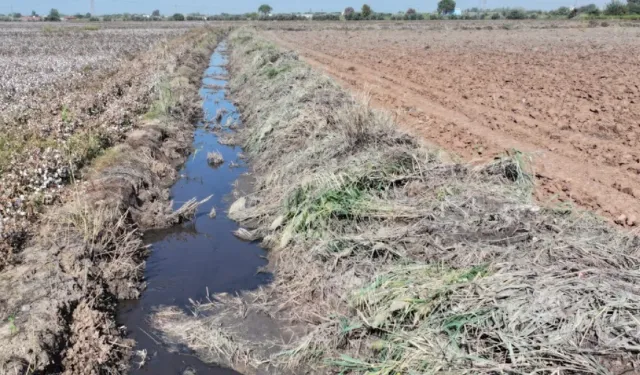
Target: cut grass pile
[(399, 263)]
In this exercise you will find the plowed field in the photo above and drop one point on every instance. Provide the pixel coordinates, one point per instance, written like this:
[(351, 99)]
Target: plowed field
[(568, 97)]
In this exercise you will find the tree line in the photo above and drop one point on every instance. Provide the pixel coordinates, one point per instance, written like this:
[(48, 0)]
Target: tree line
[(445, 10)]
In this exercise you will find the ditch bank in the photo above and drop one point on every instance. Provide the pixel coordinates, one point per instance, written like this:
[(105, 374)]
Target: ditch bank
[(388, 260), (58, 303)]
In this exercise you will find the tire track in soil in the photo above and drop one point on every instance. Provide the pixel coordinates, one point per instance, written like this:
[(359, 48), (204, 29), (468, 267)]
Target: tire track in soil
[(563, 173)]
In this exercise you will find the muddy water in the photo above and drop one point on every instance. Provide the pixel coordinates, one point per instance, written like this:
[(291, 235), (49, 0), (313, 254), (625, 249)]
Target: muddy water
[(188, 259)]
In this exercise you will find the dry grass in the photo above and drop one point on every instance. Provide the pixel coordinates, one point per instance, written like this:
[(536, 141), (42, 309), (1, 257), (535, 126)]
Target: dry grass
[(213, 213), (204, 336), (215, 158), (189, 208)]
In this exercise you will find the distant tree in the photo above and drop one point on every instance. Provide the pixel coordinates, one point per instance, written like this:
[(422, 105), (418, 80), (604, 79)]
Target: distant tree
[(615, 8), (54, 15), (87, 15), (633, 6), (265, 9), (107, 18), (411, 11), (516, 14), (178, 17), (17, 15), (79, 15), (348, 11), (562, 11), (591, 9), (366, 11), (156, 13), (34, 14), (446, 6)]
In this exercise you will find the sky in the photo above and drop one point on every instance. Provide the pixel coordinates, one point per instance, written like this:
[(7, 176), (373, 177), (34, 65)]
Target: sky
[(244, 6)]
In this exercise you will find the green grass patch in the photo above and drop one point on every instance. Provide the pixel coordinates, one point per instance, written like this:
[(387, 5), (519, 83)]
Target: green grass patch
[(407, 295), (108, 158), (164, 103), (85, 145), (273, 71), (310, 210), (16, 143), (406, 307)]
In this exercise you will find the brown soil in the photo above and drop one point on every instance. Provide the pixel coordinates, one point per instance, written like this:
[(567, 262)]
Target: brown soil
[(57, 304), (567, 97)]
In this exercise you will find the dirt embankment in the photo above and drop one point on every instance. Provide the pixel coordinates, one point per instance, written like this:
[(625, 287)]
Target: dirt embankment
[(389, 260), (57, 303), (566, 97), (58, 123)]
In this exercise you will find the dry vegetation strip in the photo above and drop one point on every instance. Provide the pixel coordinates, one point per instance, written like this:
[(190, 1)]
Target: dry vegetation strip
[(57, 302), (566, 96), (396, 262)]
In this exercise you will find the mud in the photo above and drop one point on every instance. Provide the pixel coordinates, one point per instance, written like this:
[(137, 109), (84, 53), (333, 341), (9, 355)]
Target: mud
[(566, 97), (189, 262)]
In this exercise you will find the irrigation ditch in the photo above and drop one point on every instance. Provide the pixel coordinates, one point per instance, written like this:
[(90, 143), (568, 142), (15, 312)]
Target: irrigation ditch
[(200, 257)]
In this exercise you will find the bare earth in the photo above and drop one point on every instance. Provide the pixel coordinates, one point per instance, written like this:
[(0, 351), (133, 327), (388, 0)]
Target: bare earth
[(569, 97)]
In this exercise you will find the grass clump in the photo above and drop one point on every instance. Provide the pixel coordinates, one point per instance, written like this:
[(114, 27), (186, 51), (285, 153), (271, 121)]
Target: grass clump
[(272, 71), (86, 145), (163, 103), (215, 158), (91, 27)]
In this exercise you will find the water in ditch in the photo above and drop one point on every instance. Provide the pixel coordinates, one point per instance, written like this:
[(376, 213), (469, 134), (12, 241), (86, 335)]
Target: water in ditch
[(202, 254)]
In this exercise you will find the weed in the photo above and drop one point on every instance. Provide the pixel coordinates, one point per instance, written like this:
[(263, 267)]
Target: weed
[(12, 325), (108, 158), (65, 116), (85, 145), (273, 71), (164, 103), (472, 273), (309, 211)]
